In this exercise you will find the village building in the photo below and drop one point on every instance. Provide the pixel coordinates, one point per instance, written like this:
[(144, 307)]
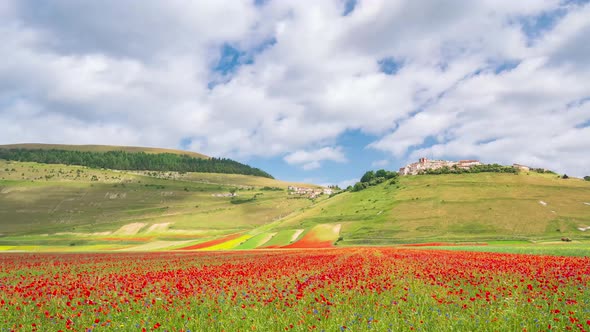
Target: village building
[(309, 192), (468, 163), (522, 168), (425, 164)]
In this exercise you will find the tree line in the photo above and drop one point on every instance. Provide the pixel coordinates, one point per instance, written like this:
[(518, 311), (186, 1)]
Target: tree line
[(486, 168), (373, 178), (122, 160)]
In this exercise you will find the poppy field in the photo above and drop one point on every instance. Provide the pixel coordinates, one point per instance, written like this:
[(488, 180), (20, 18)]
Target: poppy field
[(344, 289)]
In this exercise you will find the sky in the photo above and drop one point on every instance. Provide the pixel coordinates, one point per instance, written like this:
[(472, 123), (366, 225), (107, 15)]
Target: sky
[(314, 91)]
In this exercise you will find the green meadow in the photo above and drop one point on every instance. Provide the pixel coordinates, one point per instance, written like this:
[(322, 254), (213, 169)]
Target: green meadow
[(74, 208), (57, 204), (457, 208)]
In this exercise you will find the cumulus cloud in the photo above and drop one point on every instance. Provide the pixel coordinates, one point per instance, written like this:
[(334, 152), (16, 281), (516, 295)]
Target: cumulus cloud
[(483, 79), (312, 159)]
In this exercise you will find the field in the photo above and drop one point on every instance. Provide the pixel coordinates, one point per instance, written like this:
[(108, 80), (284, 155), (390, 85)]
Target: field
[(73, 208), (483, 207), (381, 289)]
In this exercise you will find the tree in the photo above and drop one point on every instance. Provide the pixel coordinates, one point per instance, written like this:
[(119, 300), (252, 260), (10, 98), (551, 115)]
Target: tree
[(381, 173), (232, 191), (368, 176), (161, 162), (587, 178), (565, 176), (360, 186)]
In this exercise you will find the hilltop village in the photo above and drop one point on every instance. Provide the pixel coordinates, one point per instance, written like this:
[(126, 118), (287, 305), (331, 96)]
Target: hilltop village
[(424, 164)]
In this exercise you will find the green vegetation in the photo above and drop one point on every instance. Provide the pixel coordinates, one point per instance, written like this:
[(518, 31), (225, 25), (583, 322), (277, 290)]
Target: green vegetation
[(449, 208), (487, 168), (542, 171), (81, 208), (372, 178), (283, 238), (551, 249), (267, 188), (46, 204), (122, 160), (587, 178), (99, 148)]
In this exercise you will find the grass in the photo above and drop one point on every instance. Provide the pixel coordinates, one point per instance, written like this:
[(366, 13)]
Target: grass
[(283, 238), (468, 207), (38, 202), (255, 241), (551, 249)]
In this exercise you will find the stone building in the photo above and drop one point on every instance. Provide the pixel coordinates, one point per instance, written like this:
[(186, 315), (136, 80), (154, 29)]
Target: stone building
[(521, 168), (424, 164)]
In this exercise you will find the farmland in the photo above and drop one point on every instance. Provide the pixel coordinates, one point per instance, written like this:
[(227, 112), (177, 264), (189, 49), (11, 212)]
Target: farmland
[(88, 249), (482, 207), (73, 208), (381, 289)]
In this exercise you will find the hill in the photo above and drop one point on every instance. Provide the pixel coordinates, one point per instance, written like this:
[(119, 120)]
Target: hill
[(458, 207), (52, 206), (60, 207), (100, 148), (135, 159)]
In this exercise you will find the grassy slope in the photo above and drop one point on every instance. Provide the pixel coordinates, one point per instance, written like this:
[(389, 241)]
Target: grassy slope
[(99, 148), (38, 199), (469, 207)]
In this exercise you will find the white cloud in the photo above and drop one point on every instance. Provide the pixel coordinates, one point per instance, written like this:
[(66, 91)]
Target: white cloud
[(118, 73), (312, 159)]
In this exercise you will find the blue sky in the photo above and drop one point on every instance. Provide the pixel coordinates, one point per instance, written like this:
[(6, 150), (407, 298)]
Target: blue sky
[(360, 159), (308, 91)]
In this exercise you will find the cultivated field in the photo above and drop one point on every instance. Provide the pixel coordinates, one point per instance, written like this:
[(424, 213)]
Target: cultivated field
[(59, 207), (73, 208), (356, 289)]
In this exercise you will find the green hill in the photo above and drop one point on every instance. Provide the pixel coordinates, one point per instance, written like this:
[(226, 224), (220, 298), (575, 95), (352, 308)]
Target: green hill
[(100, 148), (60, 207), (46, 204), (126, 158), (458, 207)]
